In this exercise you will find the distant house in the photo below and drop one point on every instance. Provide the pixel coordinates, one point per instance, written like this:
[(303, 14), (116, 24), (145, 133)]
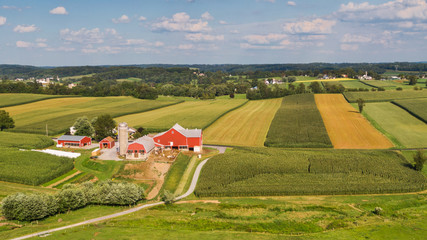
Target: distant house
[(140, 148), (74, 141), (180, 138), (107, 142), (131, 131)]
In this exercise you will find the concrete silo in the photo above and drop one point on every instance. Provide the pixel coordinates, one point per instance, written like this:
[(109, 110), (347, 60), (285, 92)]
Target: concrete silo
[(123, 138)]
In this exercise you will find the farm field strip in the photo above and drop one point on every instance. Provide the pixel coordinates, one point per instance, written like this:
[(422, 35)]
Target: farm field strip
[(350, 84), (298, 123), (328, 80), (385, 96), (245, 126), (416, 107), (189, 114), (346, 127), (408, 130), (13, 99), (59, 114), (7, 188)]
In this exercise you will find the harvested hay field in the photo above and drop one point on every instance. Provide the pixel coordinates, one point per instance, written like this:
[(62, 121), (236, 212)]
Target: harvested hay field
[(346, 127), (246, 126)]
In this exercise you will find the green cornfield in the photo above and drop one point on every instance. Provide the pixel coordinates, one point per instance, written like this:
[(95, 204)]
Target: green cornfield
[(12, 99), (24, 140), (416, 107), (273, 172), (298, 124), (32, 168)]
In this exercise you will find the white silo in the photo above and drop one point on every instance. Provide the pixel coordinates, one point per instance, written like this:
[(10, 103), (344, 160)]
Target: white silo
[(123, 138)]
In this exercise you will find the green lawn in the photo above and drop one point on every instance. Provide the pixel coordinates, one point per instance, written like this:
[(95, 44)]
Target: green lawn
[(189, 114), (59, 114), (175, 173), (24, 140), (408, 130), (7, 188)]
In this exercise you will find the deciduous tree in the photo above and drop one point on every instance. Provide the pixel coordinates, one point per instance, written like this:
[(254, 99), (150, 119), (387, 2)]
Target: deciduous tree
[(6, 121), (360, 104)]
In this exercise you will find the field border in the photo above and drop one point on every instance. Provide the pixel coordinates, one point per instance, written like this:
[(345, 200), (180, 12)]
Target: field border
[(224, 113), (38, 100), (410, 112)]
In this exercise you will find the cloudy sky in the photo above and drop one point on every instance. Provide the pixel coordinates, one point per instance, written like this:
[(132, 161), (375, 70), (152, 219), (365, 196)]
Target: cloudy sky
[(96, 32)]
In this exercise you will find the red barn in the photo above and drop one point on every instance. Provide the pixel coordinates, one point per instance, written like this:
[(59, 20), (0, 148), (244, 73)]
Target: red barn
[(74, 141), (180, 138), (107, 142), (140, 148)]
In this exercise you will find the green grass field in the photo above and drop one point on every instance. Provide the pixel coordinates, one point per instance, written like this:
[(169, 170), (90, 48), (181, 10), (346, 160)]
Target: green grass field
[(271, 172), (7, 188), (24, 140), (408, 130), (384, 84), (298, 123), (131, 79), (189, 114), (60, 114), (245, 126), (175, 173), (385, 96), (13, 99), (296, 218), (350, 84), (32, 168), (77, 77), (416, 107)]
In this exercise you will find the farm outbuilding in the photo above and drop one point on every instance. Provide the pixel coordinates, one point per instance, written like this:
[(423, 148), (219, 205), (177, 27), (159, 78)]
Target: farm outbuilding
[(107, 142), (74, 141), (180, 138), (140, 148)]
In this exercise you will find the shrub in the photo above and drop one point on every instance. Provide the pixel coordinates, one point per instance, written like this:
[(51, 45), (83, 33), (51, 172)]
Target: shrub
[(399, 89), (70, 199), (378, 211), (28, 207), (381, 89), (168, 197), (419, 160)]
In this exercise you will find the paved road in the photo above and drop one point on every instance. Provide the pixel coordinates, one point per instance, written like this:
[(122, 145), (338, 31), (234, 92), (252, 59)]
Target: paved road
[(190, 191)]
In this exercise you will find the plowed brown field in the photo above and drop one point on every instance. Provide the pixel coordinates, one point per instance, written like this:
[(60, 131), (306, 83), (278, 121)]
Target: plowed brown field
[(346, 127)]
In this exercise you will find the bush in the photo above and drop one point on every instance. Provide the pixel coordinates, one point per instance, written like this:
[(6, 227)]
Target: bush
[(70, 199), (378, 211), (168, 197), (28, 207), (419, 160), (399, 89)]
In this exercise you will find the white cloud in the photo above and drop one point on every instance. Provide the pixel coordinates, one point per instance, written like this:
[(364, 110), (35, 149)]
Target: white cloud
[(61, 49), (59, 11), (88, 36), (123, 19), (316, 26), (291, 3), (22, 44), (272, 1), (2, 20), (185, 46), (349, 47), (222, 22), (25, 29), (350, 38), (207, 16), (38, 44), (142, 18), (264, 39), (198, 37), (181, 22), (392, 10)]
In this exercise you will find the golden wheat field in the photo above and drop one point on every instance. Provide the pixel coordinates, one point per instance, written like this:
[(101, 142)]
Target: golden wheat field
[(346, 127)]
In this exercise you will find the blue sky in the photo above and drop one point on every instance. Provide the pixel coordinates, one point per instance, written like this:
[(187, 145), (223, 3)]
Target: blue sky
[(97, 32)]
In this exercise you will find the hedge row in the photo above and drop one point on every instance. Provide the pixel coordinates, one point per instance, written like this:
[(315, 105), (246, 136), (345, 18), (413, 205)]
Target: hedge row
[(30, 206)]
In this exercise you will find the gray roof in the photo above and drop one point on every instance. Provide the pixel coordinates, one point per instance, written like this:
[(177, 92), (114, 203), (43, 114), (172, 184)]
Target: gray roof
[(190, 133), (146, 141), (71, 138)]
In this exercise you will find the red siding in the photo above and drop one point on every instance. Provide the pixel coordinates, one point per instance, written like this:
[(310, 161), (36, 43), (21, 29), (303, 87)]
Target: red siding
[(177, 139), (136, 146), (81, 143), (109, 144)]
